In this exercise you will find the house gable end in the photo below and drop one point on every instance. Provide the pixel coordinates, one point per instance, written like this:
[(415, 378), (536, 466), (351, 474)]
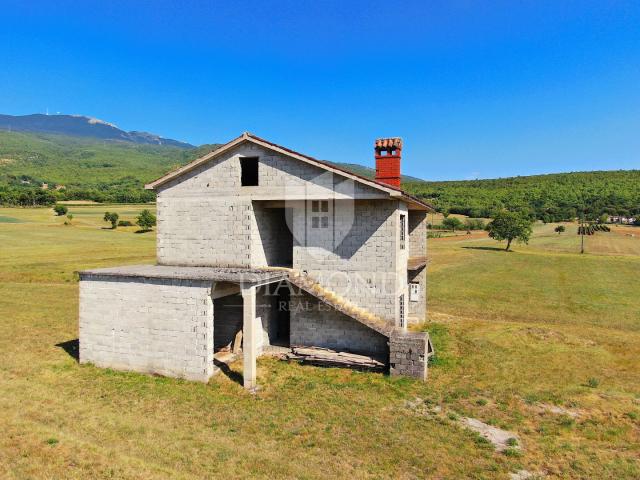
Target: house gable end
[(280, 176)]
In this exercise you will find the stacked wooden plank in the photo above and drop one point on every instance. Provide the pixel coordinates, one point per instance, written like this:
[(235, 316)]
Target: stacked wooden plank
[(325, 357)]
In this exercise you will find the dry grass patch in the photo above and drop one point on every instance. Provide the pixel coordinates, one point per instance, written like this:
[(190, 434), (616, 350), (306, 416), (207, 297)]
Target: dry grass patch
[(512, 332)]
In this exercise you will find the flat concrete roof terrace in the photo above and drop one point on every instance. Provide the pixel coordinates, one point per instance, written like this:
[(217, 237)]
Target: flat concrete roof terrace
[(215, 274)]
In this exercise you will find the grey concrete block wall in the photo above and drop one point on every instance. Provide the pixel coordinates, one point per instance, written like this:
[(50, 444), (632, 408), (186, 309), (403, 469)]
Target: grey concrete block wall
[(204, 231), (313, 323), (357, 256), (159, 326), (418, 309), (417, 233), (408, 354), (418, 248), (205, 217)]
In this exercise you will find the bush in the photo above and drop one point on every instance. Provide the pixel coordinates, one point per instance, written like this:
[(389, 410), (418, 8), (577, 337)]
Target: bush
[(111, 218), (559, 229), (146, 220), (474, 224), (60, 210), (452, 223), (125, 223), (512, 452)]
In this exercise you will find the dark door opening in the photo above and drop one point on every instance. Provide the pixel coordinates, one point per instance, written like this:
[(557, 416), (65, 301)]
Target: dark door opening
[(285, 238), (283, 318)]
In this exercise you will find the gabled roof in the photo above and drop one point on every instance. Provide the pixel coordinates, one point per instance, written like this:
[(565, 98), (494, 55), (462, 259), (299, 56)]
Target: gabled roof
[(246, 136)]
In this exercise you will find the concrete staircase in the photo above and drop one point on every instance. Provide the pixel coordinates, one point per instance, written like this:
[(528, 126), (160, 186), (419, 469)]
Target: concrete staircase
[(340, 304), (408, 351)]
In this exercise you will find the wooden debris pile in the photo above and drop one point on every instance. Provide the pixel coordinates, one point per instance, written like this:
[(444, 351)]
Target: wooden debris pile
[(324, 357)]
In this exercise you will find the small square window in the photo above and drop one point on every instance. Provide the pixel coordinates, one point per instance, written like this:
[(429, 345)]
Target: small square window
[(325, 222), (315, 206), (324, 206), (315, 221)]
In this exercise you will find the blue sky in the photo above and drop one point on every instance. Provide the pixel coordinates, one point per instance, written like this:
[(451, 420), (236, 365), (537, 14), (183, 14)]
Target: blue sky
[(476, 89)]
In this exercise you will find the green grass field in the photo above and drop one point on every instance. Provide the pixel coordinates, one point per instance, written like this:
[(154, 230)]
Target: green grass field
[(542, 325)]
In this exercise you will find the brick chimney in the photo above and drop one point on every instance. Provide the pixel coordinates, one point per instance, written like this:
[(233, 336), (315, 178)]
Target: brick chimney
[(388, 152)]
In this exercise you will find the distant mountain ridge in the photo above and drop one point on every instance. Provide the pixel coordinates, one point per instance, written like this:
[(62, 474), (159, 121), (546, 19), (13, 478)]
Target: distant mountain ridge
[(82, 126)]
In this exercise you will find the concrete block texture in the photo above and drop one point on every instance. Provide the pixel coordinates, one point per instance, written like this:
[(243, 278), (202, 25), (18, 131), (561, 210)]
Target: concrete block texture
[(408, 354), (417, 233), (313, 323), (357, 256), (158, 326)]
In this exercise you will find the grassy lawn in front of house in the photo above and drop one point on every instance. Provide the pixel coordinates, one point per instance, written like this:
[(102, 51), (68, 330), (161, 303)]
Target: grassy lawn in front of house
[(542, 325)]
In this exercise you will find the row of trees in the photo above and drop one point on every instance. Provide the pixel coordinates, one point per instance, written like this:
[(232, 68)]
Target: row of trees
[(454, 223), (30, 196), (145, 220)]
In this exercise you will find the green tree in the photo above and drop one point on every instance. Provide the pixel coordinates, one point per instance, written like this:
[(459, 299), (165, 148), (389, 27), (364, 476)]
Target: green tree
[(60, 210), (559, 229), (146, 220), (452, 223), (510, 226), (112, 218)]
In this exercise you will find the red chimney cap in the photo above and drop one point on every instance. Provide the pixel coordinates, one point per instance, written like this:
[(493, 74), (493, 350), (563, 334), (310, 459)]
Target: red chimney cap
[(388, 143)]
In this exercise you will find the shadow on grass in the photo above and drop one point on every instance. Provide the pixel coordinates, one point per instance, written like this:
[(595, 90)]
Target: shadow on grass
[(230, 374), (144, 230), (491, 249), (72, 347)]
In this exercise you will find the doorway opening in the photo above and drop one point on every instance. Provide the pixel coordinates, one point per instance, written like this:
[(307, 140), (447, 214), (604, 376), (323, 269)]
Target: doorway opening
[(281, 331), (275, 236)]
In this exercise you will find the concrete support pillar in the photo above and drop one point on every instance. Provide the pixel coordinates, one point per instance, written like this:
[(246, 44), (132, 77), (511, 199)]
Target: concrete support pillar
[(249, 336)]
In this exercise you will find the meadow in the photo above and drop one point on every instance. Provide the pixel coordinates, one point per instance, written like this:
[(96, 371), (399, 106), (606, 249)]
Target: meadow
[(542, 341)]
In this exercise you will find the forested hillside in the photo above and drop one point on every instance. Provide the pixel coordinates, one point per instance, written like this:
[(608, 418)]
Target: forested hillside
[(89, 169), (553, 197), (114, 171)]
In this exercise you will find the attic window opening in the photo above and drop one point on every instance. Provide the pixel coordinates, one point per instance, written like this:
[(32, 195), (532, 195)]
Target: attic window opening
[(249, 171)]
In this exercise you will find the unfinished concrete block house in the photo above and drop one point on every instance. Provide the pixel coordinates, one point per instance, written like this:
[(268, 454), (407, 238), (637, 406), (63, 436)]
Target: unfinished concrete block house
[(258, 241)]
